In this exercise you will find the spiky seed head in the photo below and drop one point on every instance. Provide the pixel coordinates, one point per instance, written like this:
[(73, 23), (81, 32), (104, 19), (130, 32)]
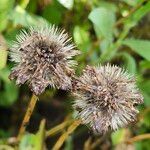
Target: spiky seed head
[(106, 97), (43, 57)]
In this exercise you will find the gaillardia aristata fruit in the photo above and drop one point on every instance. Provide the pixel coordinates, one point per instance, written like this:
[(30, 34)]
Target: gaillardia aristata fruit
[(106, 97), (43, 57)]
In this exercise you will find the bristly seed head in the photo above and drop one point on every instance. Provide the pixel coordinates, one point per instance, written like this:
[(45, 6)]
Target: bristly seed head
[(43, 57), (106, 97)]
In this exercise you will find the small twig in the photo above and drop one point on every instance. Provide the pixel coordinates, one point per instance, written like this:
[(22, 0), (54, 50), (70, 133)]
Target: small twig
[(27, 116), (138, 138), (64, 136)]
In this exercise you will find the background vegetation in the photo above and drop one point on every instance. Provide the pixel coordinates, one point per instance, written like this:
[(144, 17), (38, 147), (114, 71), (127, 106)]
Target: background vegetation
[(115, 31)]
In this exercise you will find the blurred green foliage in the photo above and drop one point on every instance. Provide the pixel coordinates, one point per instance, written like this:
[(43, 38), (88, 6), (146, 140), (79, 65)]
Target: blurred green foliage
[(104, 31)]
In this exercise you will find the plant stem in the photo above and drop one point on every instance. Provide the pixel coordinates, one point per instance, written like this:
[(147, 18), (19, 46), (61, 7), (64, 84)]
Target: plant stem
[(57, 128), (65, 135), (138, 138), (27, 116)]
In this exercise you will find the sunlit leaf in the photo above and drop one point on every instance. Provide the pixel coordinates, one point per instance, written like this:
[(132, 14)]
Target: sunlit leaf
[(80, 35), (3, 58), (118, 136), (5, 8), (67, 3), (34, 141)]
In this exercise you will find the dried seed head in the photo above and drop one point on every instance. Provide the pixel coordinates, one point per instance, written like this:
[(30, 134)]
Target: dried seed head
[(106, 97), (43, 57)]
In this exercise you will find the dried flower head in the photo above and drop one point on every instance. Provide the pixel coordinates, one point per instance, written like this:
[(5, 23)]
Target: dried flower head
[(106, 97), (43, 57)]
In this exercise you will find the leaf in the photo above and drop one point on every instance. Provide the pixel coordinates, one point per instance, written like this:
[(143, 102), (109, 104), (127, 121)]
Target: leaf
[(67, 3), (20, 17), (145, 64), (103, 20), (80, 35), (118, 136), (131, 3), (145, 86), (142, 11), (141, 47), (10, 93), (3, 58), (28, 142), (5, 7), (53, 13), (69, 143), (6, 147), (130, 63), (34, 141)]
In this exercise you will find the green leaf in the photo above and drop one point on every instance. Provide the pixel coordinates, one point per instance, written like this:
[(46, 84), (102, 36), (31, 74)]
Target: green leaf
[(132, 3), (118, 136), (10, 93), (69, 143), (141, 47), (145, 64), (103, 20), (142, 11), (130, 63), (80, 35), (145, 86), (28, 142), (3, 58), (5, 8), (67, 3), (34, 141), (20, 17)]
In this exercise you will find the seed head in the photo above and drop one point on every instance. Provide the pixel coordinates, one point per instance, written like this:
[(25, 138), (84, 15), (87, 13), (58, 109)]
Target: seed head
[(106, 97), (43, 57)]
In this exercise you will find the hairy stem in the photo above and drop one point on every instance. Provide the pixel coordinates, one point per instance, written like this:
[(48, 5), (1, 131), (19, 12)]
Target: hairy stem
[(27, 116)]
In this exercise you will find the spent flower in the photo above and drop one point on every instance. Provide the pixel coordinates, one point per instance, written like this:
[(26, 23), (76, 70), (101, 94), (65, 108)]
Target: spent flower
[(43, 57), (106, 97)]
